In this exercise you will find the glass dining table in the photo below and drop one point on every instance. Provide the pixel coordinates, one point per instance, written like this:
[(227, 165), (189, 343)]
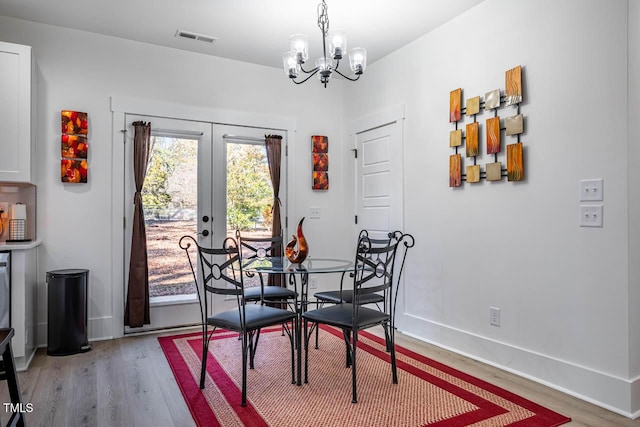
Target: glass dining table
[(298, 279)]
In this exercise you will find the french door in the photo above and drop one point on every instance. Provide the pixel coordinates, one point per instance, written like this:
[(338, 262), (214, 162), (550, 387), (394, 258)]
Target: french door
[(191, 188), (178, 199)]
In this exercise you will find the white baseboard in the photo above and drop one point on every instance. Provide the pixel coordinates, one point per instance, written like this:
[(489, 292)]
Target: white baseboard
[(599, 388), (98, 328)]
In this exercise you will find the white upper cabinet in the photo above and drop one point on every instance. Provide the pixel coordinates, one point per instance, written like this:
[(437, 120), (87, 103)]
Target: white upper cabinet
[(17, 131)]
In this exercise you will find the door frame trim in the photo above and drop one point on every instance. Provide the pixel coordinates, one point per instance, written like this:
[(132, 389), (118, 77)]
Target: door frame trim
[(375, 120), (121, 105)]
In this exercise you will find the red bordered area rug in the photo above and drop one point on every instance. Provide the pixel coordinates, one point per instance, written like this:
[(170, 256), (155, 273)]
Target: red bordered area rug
[(428, 393)]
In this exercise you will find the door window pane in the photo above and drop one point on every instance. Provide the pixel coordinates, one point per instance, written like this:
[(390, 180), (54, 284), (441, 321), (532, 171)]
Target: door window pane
[(249, 190), (169, 198)]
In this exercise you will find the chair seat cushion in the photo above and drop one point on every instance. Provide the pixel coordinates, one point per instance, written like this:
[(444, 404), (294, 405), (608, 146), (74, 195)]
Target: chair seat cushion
[(270, 293), (340, 315), (347, 296), (258, 316)]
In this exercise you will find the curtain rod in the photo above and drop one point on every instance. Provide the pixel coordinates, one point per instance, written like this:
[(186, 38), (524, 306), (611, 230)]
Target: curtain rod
[(242, 138), (176, 132)]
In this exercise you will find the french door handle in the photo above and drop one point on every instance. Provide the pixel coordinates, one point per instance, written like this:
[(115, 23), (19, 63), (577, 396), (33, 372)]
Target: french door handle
[(205, 218)]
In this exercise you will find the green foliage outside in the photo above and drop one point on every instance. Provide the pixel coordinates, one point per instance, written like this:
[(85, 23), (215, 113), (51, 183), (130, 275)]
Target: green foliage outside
[(249, 191), (169, 184)]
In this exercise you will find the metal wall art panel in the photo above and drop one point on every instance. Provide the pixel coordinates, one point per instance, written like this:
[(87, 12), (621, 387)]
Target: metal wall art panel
[(492, 99), (494, 171), (473, 106), (515, 167), (455, 170), (515, 124), (495, 165), (472, 145), (455, 105), (473, 173), (493, 135), (455, 138), (513, 86)]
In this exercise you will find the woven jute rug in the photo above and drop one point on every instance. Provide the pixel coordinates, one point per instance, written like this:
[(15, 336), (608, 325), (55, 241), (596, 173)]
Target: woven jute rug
[(428, 393)]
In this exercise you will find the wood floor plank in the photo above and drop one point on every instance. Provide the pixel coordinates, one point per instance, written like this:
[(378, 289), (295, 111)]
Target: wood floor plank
[(128, 382)]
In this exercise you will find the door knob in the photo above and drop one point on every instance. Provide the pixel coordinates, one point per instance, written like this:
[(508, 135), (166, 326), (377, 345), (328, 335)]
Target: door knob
[(205, 233), (205, 218)]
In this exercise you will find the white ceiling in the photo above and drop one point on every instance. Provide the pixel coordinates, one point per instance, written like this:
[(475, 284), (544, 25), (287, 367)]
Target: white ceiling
[(255, 31)]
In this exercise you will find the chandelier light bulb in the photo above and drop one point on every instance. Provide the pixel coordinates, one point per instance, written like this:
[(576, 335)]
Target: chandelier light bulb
[(291, 66), (358, 60), (299, 44), (337, 44), (324, 69)]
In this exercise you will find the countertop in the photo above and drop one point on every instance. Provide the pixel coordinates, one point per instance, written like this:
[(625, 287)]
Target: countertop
[(16, 246)]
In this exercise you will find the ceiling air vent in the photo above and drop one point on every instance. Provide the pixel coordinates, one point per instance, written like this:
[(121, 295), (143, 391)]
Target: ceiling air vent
[(195, 36)]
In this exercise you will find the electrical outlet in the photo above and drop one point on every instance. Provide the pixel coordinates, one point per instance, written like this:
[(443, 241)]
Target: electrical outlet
[(591, 190), (494, 316), (313, 283), (590, 216), (314, 212)]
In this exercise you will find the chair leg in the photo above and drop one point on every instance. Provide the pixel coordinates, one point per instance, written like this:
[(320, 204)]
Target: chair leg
[(385, 326), (9, 367), (347, 342), (354, 346), (306, 351), (245, 344), (293, 353), (253, 345), (205, 352), (394, 369)]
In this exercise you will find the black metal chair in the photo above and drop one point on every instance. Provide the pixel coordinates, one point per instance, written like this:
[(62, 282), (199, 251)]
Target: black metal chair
[(374, 273), (8, 373), (261, 247), (218, 271), (346, 295)]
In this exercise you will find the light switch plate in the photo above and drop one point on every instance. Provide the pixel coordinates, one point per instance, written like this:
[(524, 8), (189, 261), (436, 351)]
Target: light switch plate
[(314, 212), (591, 190), (590, 215)]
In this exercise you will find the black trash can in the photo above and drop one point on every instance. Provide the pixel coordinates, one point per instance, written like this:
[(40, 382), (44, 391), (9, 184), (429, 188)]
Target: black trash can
[(67, 312)]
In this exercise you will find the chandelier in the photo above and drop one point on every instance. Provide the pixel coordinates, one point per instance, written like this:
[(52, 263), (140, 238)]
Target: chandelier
[(299, 44)]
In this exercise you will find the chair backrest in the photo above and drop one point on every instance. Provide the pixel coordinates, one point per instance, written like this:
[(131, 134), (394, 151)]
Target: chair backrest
[(259, 247), (216, 271), (377, 269)]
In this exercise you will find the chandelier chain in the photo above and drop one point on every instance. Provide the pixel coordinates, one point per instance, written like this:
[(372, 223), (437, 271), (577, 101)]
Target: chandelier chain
[(323, 17)]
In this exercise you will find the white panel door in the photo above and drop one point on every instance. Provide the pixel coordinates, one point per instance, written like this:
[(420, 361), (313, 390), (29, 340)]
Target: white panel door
[(379, 187), (379, 180)]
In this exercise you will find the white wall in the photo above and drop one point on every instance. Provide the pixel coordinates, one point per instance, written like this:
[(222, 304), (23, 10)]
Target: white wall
[(568, 295), (82, 71), (633, 126), (563, 290)]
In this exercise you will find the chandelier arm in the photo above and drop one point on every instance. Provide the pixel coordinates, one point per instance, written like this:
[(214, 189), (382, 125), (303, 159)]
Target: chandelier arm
[(347, 77), (313, 73), (314, 70)]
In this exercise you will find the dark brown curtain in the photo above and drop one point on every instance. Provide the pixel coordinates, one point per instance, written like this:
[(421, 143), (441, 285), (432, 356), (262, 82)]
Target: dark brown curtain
[(274, 157), (136, 312)]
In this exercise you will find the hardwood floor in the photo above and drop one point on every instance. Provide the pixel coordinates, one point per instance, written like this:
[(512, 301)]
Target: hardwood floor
[(127, 382)]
